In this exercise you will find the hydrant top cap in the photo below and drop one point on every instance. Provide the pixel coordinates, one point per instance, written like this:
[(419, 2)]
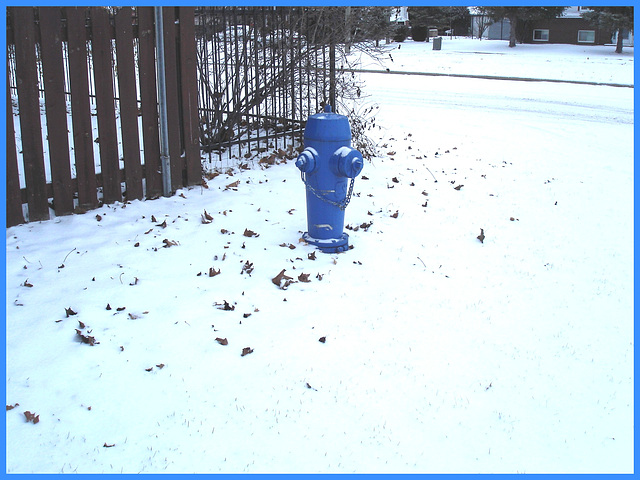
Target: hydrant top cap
[(328, 127)]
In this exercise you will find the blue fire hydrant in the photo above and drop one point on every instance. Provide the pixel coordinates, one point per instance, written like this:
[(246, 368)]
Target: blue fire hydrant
[(325, 165)]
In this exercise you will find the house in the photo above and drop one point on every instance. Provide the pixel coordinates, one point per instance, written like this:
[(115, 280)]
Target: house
[(569, 28), (400, 16)]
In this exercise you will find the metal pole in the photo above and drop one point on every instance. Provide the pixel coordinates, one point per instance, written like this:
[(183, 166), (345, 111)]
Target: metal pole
[(162, 102)]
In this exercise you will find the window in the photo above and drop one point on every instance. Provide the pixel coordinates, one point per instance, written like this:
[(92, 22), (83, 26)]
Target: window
[(540, 35), (586, 36)]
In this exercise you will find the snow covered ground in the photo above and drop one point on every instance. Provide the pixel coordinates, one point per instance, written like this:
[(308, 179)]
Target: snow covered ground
[(422, 349)]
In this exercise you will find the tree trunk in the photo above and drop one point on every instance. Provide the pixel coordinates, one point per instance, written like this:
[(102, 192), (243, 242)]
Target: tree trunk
[(513, 20), (619, 44)]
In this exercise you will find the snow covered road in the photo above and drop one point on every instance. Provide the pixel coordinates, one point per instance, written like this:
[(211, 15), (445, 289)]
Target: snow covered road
[(439, 98)]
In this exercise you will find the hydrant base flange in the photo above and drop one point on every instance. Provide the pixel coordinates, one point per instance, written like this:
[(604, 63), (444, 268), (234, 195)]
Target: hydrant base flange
[(329, 245)]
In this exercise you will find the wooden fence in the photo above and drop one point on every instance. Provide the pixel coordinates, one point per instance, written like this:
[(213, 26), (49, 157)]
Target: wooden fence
[(72, 66)]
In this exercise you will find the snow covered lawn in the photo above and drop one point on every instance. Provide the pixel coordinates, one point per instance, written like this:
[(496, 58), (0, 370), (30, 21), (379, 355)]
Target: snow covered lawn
[(150, 337)]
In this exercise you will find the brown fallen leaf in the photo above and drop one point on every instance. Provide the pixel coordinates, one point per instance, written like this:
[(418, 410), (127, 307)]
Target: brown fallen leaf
[(222, 341), (481, 236), (458, 187), (304, 277), (32, 417), (206, 218), (70, 312), (108, 446), (233, 185), (213, 272), (163, 224), (246, 351), (250, 233), (225, 306), (322, 339), (160, 366), (89, 340), (394, 215), (169, 243), (277, 280), (11, 407)]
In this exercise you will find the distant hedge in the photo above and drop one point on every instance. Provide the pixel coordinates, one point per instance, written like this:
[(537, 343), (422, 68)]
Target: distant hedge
[(419, 33), (401, 33)]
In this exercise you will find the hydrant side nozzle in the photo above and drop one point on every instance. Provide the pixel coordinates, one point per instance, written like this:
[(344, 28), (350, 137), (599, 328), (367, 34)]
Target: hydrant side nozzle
[(347, 162), (306, 161)]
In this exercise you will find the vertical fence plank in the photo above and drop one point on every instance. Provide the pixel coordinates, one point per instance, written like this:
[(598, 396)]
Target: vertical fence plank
[(29, 104), (105, 104), (148, 98), (128, 104), (80, 108), (171, 70), (14, 199), (189, 89), (56, 107)]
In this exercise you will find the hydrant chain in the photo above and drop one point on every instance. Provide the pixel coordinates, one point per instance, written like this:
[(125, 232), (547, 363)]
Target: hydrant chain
[(341, 205)]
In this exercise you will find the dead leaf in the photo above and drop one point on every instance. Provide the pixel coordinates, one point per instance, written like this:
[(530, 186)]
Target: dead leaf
[(394, 215), (32, 417), (481, 236), (458, 187), (222, 341), (225, 306), (89, 340), (391, 153), (322, 339), (213, 272), (169, 243), (163, 224), (153, 219), (120, 309), (160, 366), (27, 284), (233, 185), (109, 446), (277, 280), (11, 407), (312, 255), (206, 218), (246, 351), (148, 369), (148, 231), (81, 324), (70, 312), (304, 277), (247, 267), (395, 180), (250, 233)]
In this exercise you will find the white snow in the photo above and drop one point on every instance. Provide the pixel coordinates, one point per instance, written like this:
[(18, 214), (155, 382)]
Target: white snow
[(441, 353)]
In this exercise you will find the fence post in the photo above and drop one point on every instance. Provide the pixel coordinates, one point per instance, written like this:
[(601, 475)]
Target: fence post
[(29, 103), (14, 199), (56, 107), (162, 102)]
